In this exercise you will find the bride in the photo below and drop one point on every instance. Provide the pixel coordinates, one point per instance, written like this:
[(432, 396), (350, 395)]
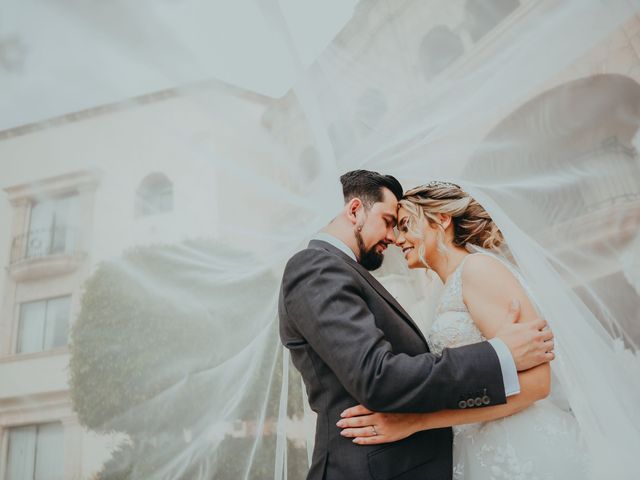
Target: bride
[(442, 228)]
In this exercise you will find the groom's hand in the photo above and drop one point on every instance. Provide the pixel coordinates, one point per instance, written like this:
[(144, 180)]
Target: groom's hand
[(530, 343)]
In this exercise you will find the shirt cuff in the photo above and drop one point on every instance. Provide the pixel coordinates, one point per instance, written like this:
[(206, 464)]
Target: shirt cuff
[(508, 366)]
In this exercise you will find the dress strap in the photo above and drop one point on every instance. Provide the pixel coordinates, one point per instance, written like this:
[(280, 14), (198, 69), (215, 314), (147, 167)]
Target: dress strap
[(456, 282), (457, 274)]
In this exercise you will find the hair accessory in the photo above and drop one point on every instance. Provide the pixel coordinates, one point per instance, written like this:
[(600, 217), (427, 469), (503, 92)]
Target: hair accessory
[(434, 183), (438, 183)]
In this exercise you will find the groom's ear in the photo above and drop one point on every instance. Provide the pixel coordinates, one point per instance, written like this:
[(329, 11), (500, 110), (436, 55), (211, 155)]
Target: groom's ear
[(352, 207)]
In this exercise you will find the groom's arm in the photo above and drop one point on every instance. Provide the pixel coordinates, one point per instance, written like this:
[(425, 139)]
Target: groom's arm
[(324, 301)]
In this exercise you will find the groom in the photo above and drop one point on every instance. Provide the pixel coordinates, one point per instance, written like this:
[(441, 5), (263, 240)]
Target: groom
[(354, 344)]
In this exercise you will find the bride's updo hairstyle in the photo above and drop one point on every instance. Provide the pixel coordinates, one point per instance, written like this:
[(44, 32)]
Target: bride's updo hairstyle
[(471, 222)]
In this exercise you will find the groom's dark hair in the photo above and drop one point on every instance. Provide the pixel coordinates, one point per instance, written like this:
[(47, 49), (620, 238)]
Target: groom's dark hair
[(367, 186)]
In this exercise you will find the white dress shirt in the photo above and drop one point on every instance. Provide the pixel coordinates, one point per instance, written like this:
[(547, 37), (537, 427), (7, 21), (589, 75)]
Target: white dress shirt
[(507, 364)]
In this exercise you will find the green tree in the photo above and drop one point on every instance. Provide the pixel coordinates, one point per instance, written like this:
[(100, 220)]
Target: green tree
[(149, 348)]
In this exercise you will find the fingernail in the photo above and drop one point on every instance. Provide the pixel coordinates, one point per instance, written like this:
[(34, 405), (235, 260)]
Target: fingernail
[(340, 424), (343, 414), (355, 440), (342, 433)]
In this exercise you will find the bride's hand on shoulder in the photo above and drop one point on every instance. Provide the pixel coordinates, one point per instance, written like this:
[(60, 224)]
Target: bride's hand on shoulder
[(372, 428)]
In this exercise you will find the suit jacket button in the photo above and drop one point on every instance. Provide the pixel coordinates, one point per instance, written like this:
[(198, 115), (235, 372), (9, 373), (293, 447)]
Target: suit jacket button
[(462, 404), (486, 400), (478, 402), (471, 403)]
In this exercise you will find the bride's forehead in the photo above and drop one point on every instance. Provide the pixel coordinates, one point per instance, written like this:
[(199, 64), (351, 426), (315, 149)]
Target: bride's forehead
[(401, 211)]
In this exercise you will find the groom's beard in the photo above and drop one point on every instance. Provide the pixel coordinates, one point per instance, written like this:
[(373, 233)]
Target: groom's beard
[(369, 259)]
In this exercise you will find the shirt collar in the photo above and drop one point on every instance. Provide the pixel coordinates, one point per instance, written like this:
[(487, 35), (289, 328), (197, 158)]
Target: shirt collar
[(336, 242)]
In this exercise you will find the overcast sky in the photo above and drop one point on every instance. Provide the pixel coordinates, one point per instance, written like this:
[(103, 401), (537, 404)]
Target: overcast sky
[(60, 56)]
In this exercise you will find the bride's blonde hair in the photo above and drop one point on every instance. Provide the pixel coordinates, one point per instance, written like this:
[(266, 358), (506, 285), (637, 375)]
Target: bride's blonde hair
[(471, 222)]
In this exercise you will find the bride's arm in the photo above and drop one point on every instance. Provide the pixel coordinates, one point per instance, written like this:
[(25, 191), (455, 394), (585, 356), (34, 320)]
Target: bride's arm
[(391, 427), (533, 388), (488, 287)]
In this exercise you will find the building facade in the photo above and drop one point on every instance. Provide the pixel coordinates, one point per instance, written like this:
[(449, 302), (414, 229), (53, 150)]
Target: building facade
[(74, 196)]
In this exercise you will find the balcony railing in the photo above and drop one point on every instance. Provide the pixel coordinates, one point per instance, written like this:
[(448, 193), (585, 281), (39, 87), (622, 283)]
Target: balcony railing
[(42, 243)]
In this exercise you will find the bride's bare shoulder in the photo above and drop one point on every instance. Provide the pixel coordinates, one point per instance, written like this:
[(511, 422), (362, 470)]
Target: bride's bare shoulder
[(488, 287), (484, 270), (485, 278)]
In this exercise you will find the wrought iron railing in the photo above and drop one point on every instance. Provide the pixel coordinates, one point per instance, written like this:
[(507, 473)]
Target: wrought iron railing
[(39, 243)]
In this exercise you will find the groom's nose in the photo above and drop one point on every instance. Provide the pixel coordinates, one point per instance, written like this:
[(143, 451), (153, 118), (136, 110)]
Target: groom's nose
[(391, 236)]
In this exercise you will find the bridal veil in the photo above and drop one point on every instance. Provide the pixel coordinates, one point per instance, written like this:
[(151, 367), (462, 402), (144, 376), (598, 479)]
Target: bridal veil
[(532, 106)]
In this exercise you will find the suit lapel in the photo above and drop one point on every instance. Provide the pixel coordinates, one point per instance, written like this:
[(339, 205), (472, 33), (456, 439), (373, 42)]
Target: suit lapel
[(384, 293), (371, 280)]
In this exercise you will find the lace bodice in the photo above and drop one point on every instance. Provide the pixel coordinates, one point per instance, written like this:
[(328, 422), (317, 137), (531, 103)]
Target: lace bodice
[(453, 325)]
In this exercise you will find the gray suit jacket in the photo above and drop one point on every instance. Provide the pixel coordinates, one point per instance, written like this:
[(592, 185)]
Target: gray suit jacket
[(353, 343)]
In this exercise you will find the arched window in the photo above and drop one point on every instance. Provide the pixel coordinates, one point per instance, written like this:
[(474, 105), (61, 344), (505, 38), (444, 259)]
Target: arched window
[(484, 15), (154, 195), (439, 48), (544, 132)]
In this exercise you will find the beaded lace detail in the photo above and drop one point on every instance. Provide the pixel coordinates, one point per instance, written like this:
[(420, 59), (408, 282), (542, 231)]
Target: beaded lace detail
[(453, 325)]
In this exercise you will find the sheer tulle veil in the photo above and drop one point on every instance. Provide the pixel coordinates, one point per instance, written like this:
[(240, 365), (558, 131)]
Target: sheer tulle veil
[(533, 107)]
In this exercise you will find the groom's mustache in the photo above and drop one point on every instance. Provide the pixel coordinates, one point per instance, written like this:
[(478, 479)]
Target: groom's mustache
[(382, 244)]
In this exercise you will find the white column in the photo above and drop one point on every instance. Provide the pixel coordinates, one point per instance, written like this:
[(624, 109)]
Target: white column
[(21, 208), (8, 323), (84, 222)]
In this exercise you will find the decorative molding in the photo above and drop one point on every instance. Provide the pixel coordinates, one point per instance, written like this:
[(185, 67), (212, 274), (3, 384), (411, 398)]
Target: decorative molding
[(46, 266), (20, 357), (129, 103), (78, 181), (34, 409)]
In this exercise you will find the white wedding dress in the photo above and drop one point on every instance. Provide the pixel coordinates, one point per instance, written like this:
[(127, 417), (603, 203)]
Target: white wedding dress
[(540, 442)]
